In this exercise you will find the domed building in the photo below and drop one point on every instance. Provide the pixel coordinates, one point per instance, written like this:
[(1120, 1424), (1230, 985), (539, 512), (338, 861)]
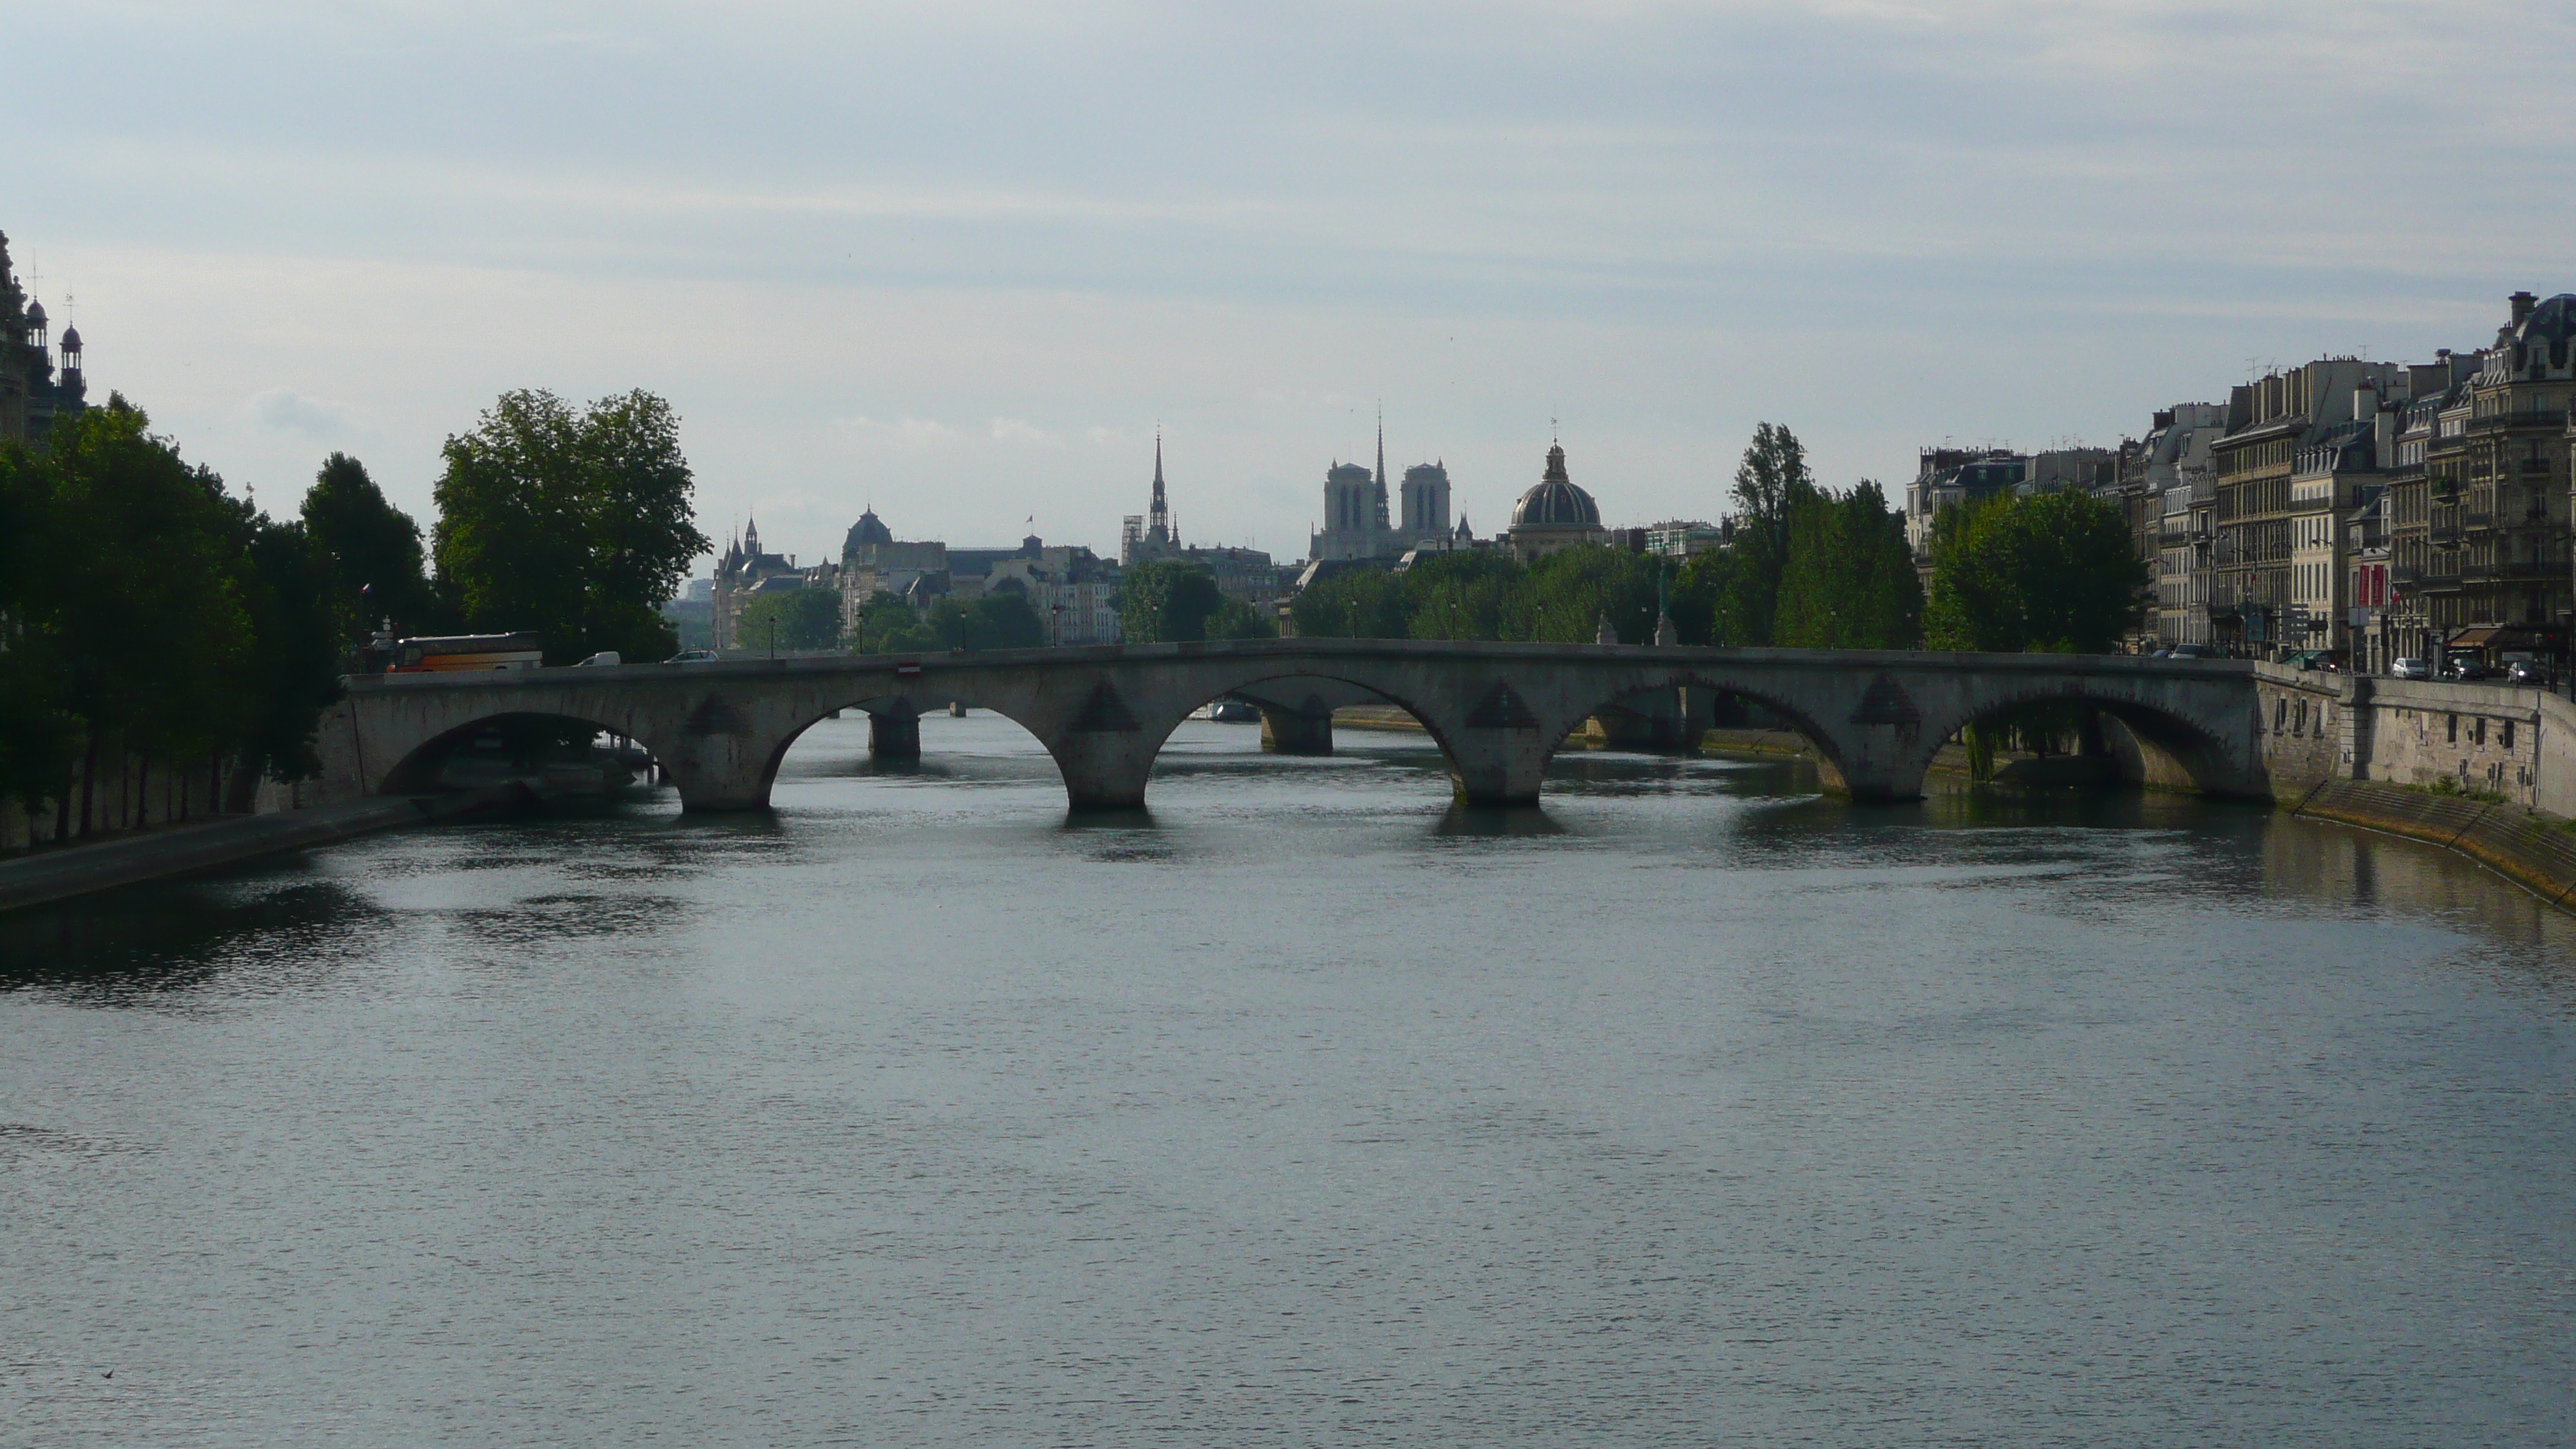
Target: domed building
[(1554, 514)]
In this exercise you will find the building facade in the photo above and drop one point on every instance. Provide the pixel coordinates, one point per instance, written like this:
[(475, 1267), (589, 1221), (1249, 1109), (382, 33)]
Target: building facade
[(2271, 419), (2513, 484), (742, 571)]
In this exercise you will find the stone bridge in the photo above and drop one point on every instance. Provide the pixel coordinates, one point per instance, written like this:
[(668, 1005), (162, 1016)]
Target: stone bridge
[(1497, 711)]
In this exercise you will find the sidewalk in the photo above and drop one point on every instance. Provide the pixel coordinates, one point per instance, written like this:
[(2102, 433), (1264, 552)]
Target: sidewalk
[(59, 874)]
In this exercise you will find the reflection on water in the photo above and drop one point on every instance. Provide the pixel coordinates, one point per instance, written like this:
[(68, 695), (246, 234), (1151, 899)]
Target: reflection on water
[(1690, 1108)]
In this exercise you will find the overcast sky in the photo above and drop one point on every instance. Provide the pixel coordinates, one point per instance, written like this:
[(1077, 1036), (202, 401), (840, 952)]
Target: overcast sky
[(960, 260)]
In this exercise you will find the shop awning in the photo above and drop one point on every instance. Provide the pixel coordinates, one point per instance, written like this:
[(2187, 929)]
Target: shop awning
[(2509, 636)]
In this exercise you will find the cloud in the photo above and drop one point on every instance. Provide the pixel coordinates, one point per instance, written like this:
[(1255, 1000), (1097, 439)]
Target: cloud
[(284, 410), (1015, 430)]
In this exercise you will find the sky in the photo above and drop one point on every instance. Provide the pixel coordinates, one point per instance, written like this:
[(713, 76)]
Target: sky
[(961, 261)]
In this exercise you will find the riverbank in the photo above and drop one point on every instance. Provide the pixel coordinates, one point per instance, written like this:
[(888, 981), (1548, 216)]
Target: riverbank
[(2534, 851), (43, 876)]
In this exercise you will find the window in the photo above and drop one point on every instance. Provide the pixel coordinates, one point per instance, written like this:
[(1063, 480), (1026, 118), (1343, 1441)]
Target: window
[(2508, 734), (2478, 731), (2455, 730)]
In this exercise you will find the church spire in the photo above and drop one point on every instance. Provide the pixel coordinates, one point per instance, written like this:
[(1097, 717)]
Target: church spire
[(1159, 522), (1381, 468)]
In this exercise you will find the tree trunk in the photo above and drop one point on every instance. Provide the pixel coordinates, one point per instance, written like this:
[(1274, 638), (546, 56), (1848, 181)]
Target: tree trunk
[(89, 783), (243, 797)]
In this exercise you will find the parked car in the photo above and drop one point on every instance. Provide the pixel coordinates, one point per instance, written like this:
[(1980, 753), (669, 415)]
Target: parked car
[(2410, 669), (2531, 672), (601, 660), (2190, 651), (692, 656)]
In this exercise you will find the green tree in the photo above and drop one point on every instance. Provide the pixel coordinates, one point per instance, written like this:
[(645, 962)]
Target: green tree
[(1167, 601), (888, 625), (574, 525), (1849, 579), (1235, 619), (37, 733), (371, 551), (1003, 619), (1468, 594), (1566, 594), (1701, 591), (2051, 572), (1358, 603), (142, 612), (1772, 483), (792, 619), (286, 590)]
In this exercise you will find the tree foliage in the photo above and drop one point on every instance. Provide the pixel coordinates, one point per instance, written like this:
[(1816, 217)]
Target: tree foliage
[(1002, 619), (2052, 572), (576, 525), (791, 619), (1170, 601), (371, 552), (149, 611), (1486, 595), (1848, 581), (1359, 603)]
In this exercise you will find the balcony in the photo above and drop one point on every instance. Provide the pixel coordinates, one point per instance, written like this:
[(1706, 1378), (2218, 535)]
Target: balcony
[(2527, 418), (2477, 518), (2526, 569), (2445, 535)]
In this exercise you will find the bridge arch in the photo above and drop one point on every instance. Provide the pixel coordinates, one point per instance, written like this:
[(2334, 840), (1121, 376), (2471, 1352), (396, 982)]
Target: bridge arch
[(518, 741), (895, 708), (1297, 705), (1757, 689), (2158, 742)]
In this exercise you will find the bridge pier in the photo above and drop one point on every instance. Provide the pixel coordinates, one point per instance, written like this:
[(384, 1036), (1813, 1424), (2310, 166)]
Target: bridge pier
[(1496, 768), (1294, 732), (894, 737)]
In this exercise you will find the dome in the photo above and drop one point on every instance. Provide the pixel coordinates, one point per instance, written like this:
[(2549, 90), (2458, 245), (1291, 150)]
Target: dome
[(869, 529), (1555, 502), (71, 339), (2551, 321), (35, 311)]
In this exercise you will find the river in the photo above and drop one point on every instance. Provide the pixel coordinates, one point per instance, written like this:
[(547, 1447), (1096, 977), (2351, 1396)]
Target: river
[(1692, 1109)]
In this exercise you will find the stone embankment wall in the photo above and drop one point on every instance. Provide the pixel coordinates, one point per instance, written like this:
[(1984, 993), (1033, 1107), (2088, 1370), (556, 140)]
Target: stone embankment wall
[(2519, 744), (129, 792), (2484, 769)]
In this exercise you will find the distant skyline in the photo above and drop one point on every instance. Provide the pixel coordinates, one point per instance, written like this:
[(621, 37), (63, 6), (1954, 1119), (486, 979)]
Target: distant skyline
[(959, 260)]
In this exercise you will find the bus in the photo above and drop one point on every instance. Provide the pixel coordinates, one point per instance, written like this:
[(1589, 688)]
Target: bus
[(451, 653)]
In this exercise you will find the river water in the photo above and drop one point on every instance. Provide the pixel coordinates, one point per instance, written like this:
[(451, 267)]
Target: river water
[(1690, 1110)]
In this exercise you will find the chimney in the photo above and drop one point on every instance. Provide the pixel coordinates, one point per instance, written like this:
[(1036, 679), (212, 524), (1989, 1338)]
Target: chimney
[(2523, 302)]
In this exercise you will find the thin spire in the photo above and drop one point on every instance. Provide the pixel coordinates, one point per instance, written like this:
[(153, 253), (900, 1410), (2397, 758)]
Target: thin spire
[(1159, 525)]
